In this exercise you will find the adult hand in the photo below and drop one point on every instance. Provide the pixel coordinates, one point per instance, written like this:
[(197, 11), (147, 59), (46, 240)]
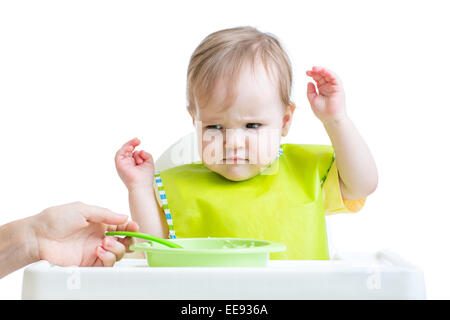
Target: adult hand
[(74, 234)]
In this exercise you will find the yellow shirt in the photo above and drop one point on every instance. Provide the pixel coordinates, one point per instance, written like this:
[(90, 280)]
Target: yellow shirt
[(332, 196)]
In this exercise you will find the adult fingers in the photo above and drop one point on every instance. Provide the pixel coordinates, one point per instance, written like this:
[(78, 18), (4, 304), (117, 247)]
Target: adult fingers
[(110, 244), (102, 215), (126, 241), (107, 258), (129, 226)]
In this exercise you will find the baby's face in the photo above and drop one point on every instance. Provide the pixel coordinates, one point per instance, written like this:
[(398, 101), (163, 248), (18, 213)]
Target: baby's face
[(242, 140)]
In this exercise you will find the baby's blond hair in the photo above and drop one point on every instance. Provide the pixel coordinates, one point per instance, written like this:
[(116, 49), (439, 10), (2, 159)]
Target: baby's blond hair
[(222, 54)]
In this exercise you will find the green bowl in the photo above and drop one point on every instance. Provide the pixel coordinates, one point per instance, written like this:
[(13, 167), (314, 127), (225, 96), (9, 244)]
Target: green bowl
[(209, 252)]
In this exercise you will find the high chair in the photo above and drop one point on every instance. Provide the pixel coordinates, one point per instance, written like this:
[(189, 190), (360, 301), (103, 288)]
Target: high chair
[(370, 275)]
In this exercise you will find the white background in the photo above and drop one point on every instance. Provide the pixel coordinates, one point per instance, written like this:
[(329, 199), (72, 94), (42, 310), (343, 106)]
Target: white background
[(79, 78)]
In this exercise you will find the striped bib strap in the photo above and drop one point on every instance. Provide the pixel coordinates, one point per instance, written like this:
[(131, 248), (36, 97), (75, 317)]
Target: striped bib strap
[(162, 195), (280, 152)]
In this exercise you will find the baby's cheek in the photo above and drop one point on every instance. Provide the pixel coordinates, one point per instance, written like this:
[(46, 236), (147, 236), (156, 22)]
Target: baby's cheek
[(212, 152), (264, 149), (211, 146)]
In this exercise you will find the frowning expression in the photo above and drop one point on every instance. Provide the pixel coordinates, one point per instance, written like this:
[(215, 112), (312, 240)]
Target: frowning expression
[(240, 140)]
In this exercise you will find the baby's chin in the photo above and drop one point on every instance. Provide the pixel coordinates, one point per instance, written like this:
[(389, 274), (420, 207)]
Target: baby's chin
[(236, 172)]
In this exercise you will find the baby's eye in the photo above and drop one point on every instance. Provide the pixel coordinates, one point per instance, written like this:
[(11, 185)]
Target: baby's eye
[(214, 126), (253, 125)]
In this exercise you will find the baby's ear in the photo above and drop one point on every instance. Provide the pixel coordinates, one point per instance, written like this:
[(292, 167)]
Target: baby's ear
[(287, 118), (190, 110)]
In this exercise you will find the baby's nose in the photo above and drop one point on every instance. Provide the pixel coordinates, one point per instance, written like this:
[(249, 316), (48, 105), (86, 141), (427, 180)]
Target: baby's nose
[(235, 139)]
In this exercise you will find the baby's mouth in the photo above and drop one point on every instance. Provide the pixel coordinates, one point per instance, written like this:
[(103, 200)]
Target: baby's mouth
[(232, 160)]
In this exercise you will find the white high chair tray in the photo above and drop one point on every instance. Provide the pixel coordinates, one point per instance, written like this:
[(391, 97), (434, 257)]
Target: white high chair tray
[(381, 275)]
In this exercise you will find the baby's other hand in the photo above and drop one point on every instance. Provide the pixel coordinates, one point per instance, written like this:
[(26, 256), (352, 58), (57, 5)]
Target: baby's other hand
[(329, 103), (135, 168)]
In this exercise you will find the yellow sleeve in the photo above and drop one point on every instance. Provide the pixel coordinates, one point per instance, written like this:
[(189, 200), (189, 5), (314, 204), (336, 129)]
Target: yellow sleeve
[(332, 197)]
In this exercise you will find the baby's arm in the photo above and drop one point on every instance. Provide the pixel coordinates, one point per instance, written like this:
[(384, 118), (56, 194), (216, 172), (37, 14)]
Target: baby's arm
[(136, 169), (147, 213), (357, 170)]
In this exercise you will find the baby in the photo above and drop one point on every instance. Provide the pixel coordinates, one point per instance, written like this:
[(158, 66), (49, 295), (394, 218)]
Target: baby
[(248, 184)]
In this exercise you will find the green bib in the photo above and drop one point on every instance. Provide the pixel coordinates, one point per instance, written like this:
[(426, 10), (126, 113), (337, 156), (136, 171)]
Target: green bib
[(283, 204)]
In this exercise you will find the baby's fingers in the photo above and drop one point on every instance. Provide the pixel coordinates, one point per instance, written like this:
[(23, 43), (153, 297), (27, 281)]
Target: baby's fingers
[(319, 77), (128, 147), (137, 158), (145, 155), (311, 92), (332, 77), (133, 142), (323, 75), (143, 158)]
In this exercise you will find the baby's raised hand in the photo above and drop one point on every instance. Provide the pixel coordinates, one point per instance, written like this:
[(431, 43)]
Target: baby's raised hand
[(329, 103), (135, 168)]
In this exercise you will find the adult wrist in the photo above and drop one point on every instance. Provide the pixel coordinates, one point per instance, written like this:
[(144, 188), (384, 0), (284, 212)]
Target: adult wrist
[(26, 236)]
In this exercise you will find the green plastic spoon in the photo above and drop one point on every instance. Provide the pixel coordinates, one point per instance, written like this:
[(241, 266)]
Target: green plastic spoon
[(162, 241)]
